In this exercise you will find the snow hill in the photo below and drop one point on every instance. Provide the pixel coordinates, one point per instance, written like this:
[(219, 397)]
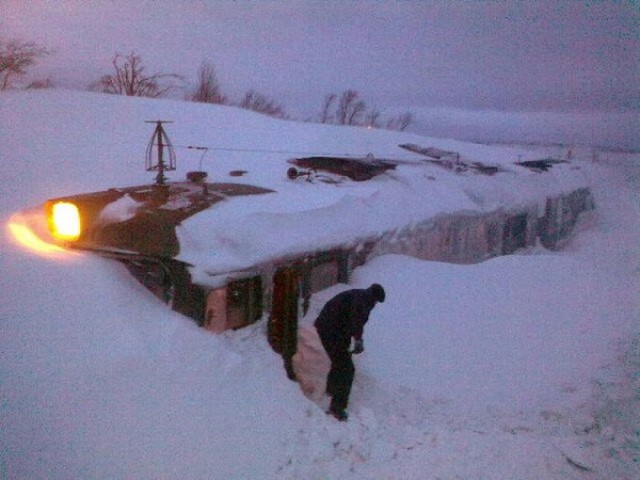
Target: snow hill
[(523, 366)]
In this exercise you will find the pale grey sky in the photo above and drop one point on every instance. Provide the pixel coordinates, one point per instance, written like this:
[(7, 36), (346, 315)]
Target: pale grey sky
[(566, 56)]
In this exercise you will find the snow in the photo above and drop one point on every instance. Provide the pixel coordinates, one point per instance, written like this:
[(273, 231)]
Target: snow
[(523, 366), (302, 216), (121, 210)]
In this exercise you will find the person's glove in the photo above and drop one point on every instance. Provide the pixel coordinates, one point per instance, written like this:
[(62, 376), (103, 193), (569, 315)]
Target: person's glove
[(358, 347)]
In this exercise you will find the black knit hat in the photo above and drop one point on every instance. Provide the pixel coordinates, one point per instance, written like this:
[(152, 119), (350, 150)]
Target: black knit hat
[(378, 292)]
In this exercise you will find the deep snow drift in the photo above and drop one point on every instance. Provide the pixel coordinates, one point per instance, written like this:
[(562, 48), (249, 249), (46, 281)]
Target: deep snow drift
[(523, 366)]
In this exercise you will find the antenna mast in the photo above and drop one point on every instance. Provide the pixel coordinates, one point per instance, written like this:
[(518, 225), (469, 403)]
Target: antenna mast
[(160, 142)]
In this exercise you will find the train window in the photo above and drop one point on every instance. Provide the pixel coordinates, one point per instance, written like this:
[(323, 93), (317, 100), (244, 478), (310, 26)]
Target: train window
[(323, 275), (514, 233), (234, 306), (244, 302)]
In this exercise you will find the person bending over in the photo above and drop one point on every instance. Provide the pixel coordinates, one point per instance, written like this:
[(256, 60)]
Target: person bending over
[(341, 319)]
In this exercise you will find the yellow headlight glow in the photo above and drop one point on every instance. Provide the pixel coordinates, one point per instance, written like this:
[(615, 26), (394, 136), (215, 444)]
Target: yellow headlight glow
[(65, 221), (23, 234)]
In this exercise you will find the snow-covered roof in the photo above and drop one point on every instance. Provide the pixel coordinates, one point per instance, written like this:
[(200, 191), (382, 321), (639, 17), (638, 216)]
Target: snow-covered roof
[(324, 209), (427, 177)]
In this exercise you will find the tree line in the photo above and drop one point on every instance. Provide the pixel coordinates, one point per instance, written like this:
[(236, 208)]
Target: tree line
[(129, 76)]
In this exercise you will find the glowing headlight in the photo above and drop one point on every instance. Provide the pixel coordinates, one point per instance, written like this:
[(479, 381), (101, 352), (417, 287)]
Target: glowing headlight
[(64, 221)]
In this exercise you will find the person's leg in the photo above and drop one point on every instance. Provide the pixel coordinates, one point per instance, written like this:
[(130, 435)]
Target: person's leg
[(340, 381), (333, 377), (340, 377)]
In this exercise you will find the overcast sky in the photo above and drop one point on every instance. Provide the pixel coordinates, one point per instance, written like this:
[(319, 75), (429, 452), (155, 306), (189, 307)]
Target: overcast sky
[(573, 57)]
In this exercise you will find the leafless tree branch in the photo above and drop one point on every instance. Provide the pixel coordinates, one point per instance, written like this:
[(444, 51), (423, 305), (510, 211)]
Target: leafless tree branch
[(16, 58), (208, 89), (259, 103), (350, 109), (129, 79), (325, 114)]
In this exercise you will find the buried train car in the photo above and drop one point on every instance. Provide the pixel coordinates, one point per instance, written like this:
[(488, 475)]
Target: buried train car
[(137, 226)]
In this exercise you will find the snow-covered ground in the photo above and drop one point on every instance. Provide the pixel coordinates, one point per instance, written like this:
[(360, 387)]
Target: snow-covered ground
[(521, 367)]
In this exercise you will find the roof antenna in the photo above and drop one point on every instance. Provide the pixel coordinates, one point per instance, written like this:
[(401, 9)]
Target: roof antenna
[(161, 144)]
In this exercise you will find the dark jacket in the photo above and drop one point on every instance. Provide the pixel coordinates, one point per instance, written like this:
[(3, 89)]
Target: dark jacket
[(343, 317)]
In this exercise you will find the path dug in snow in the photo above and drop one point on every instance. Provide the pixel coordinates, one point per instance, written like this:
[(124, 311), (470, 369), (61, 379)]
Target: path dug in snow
[(490, 381)]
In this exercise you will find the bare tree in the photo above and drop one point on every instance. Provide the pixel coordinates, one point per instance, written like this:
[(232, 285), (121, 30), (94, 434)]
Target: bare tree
[(400, 122), (259, 103), (350, 109), (129, 79), (372, 118), (16, 58), (326, 115), (208, 88)]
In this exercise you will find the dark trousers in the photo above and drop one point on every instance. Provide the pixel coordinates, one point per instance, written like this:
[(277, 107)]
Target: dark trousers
[(340, 376), (339, 381)]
